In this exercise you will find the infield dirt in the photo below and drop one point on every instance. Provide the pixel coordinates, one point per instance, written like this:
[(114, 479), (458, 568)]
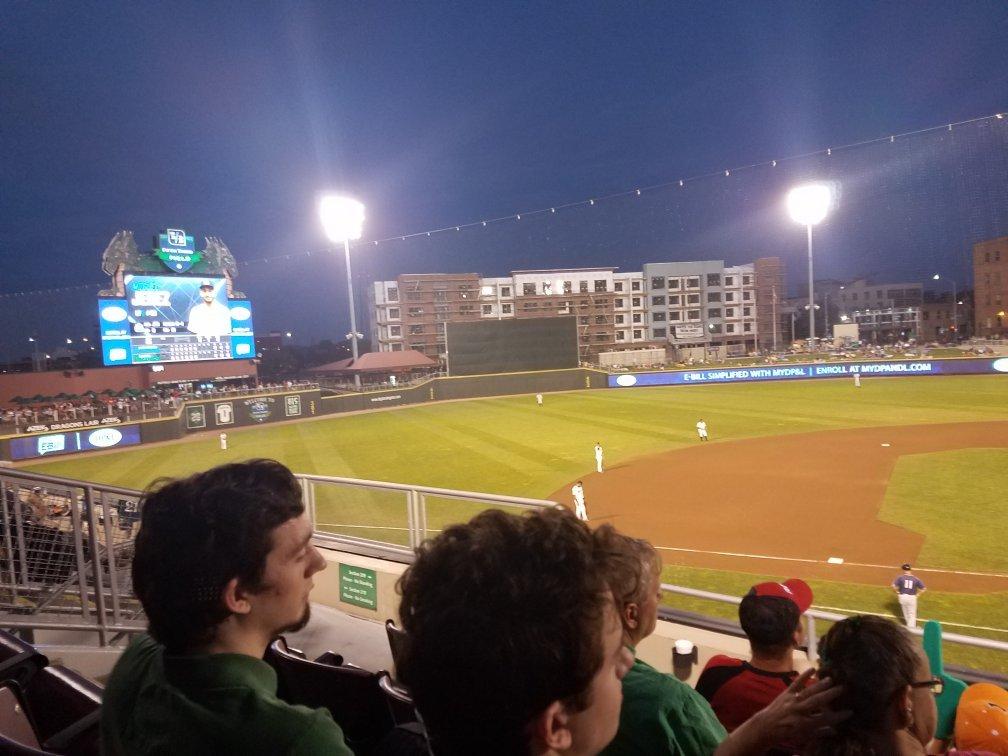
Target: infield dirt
[(784, 504)]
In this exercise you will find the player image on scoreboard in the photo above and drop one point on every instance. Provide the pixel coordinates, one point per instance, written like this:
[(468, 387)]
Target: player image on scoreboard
[(208, 318)]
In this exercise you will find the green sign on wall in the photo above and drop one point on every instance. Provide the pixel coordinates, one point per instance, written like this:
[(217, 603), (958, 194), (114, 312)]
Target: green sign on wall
[(358, 586)]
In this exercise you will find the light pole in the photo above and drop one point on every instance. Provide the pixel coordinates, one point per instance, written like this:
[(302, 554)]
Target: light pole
[(343, 220), (808, 205), (955, 308)]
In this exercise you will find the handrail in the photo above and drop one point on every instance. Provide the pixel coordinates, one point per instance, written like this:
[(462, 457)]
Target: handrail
[(814, 614)]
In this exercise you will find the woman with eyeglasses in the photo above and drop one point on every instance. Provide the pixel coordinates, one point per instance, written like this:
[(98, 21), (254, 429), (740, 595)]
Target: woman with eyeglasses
[(887, 687)]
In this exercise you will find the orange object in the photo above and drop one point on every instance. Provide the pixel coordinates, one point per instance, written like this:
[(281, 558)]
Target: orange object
[(982, 719)]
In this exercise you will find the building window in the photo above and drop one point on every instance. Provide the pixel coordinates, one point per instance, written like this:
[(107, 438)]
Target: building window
[(853, 296), (729, 296), (393, 294), (442, 309), (658, 317), (747, 312), (673, 283), (747, 327), (415, 312), (466, 309), (547, 289), (600, 285), (617, 286), (713, 296), (747, 296), (600, 319), (415, 330), (397, 346), (657, 300), (439, 328), (620, 319), (714, 327), (713, 279), (583, 287), (693, 282), (637, 333), (568, 287), (506, 309), (395, 331), (637, 317), (582, 320), (747, 280), (413, 296), (675, 316), (635, 302), (657, 282), (488, 309), (658, 333), (601, 337), (620, 335), (729, 280), (505, 291), (440, 295), (393, 313), (635, 285), (617, 303), (528, 289), (730, 328), (674, 300), (693, 314), (713, 312), (692, 299), (729, 312)]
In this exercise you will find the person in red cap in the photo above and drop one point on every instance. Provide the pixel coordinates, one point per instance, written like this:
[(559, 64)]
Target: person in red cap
[(770, 615)]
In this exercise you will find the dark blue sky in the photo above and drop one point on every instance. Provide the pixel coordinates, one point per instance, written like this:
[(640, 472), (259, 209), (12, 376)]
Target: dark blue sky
[(229, 118)]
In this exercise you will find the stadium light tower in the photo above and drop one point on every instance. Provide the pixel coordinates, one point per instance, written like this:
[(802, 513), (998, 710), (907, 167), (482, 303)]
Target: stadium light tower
[(808, 205), (343, 221)]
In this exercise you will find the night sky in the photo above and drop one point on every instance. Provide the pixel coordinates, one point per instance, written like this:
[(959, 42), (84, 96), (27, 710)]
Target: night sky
[(229, 119)]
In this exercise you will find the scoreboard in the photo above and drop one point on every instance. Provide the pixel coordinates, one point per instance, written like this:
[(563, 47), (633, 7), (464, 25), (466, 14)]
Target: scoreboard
[(174, 319)]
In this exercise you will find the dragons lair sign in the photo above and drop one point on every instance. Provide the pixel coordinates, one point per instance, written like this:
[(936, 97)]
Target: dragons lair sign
[(176, 249)]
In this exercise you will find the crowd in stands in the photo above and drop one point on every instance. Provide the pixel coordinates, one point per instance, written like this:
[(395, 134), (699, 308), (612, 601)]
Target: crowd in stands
[(519, 636), (124, 406)]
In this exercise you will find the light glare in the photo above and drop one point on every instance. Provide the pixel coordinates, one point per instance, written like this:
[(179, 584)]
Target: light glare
[(342, 218), (809, 204)]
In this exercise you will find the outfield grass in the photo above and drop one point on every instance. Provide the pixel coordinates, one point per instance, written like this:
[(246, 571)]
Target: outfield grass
[(508, 445), (957, 499)]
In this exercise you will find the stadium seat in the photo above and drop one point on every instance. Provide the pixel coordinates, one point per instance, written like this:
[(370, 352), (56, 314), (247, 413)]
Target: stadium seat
[(15, 726), (19, 661), (66, 709), (351, 695), (396, 638), (399, 701)]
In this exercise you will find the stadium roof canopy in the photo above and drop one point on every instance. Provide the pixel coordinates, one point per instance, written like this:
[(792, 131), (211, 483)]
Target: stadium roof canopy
[(378, 362)]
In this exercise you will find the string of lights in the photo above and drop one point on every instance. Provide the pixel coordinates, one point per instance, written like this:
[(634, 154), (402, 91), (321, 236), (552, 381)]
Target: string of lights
[(681, 183)]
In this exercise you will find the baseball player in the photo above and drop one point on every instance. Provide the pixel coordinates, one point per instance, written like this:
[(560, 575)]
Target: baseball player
[(577, 491), (857, 380), (701, 429), (907, 587), (539, 399), (598, 456), (223, 441)]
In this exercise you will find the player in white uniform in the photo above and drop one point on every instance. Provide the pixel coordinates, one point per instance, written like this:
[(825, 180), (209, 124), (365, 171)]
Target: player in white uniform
[(577, 491), (539, 399), (223, 441), (701, 429), (209, 318), (598, 456)]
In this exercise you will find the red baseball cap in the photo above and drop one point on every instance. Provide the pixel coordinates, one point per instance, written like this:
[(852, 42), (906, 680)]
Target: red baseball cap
[(796, 590)]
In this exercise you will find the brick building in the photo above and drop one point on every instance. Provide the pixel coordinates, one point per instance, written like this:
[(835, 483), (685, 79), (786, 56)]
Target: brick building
[(990, 287)]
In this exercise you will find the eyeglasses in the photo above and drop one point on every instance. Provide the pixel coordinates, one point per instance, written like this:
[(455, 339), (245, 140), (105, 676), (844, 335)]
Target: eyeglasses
[(936, 684)]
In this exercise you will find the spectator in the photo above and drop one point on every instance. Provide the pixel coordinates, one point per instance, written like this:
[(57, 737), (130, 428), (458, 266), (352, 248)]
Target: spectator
[(770, 615), (223, 564), (662, 715), (512, 640), (887, 685)]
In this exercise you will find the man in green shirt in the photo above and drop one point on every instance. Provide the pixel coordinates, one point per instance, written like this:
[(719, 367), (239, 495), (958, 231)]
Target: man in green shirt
[(223, 564)]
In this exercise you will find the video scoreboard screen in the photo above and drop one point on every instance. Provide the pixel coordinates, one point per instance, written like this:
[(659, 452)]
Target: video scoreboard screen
[(174, 319)]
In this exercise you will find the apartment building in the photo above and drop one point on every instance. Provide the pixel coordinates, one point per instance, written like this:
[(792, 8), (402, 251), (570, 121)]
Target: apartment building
[(688, 304), (770, 296), (990, 287), (702, 304)]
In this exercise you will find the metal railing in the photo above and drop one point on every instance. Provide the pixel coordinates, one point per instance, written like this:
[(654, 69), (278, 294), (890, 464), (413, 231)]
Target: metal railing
[(813, 614)]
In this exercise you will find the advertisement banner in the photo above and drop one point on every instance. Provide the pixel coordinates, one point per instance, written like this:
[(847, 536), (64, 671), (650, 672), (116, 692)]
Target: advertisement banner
[(795, 371), (690, 332), (107, 437), (73, 424)]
